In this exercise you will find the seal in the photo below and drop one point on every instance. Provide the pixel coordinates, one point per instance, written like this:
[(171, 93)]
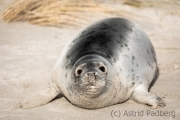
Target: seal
[(106, 63)]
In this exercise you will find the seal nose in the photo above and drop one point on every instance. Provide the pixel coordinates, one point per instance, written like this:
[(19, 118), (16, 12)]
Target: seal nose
[(91, 74), (91, 77)]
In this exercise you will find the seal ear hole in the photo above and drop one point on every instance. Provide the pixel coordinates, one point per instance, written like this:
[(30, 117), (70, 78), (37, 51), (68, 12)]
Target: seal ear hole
[(102, 69)]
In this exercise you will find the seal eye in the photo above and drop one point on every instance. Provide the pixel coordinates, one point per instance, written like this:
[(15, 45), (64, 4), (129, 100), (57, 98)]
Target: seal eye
[(102, 68), (79, 71)]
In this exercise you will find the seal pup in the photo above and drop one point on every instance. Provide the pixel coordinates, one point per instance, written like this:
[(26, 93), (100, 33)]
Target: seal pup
[(106, 63)]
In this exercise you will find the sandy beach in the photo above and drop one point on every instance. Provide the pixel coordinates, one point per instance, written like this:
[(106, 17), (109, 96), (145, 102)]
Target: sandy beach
[(28, 53)]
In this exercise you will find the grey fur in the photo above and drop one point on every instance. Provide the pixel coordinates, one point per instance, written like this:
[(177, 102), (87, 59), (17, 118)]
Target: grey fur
[(107, 63)]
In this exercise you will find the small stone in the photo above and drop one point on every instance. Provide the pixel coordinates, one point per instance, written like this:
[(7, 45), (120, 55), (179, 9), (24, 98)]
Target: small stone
[(176, 66)]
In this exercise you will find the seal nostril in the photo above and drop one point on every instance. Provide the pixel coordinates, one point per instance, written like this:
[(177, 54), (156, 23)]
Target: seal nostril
[(90, 73)]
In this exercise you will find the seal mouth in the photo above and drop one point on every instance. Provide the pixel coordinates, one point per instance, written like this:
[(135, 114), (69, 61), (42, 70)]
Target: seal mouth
[(93, 90)]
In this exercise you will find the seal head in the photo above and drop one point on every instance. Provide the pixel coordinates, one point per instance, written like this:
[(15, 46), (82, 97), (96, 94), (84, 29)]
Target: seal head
[(90, 74)]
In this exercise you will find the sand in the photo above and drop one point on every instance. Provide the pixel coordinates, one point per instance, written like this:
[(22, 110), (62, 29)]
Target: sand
[(28, 53)]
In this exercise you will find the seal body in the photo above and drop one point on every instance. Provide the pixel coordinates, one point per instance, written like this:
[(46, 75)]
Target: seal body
[(106, 63)]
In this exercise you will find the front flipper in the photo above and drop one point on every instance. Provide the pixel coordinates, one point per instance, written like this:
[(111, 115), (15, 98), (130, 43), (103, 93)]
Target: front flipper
[(41, 98), (142, 96)]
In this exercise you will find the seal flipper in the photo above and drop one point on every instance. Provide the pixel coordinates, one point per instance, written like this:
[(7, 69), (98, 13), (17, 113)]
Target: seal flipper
[(141, 95), (41, 98)]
